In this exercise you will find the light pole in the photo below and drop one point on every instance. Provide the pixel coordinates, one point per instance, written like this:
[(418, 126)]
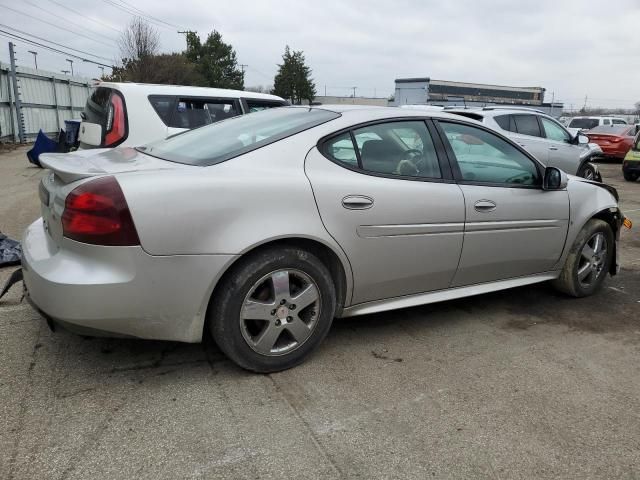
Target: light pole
[(35, 59), (71, 63)]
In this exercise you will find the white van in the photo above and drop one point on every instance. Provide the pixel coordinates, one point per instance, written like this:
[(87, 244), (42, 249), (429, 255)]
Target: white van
[(132, 114), (577, 124)]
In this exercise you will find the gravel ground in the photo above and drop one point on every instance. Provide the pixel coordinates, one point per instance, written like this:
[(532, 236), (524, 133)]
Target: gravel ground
[(524, 383)]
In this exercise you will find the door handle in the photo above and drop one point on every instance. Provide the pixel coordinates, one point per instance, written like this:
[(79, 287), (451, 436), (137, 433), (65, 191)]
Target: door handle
[(553, 148), (357, 202), (485, 206)]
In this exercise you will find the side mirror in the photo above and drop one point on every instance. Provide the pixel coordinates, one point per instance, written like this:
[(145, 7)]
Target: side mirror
[(554, 179), (582, 139)]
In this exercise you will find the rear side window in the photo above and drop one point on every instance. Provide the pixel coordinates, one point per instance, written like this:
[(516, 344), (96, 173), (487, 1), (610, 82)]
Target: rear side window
[(606, 121), (527, 125), (258, 105), (505, 122), (163, 106), (196, 112), (617, 121), (394, 148)]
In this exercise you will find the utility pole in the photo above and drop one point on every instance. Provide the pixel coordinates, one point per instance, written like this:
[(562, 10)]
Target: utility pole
[(187, 32), (102, 70), (242, 65), (66, 72), (354, 91), (585, 103), (325, 90), (16, 94), (70, 63), (553, 98), (35, 59)]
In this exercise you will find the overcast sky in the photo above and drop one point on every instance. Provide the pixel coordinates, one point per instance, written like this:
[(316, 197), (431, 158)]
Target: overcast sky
[(571, 48)]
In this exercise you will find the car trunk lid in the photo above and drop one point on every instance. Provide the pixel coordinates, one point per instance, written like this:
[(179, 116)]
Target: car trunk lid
[(68, 169)]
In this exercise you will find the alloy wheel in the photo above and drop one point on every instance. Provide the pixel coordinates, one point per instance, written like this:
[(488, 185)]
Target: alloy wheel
[(593, 258), (280, 312)]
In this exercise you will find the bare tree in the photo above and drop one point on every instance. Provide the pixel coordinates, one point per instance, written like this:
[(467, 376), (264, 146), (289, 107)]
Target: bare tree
[(138, 41)]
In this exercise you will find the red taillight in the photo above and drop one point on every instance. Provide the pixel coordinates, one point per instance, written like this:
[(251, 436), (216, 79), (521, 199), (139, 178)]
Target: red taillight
[(116, 127), (96, 212)]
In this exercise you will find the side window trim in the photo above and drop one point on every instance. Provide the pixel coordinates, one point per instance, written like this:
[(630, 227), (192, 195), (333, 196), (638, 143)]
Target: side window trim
[(457, 174), (445, 168)]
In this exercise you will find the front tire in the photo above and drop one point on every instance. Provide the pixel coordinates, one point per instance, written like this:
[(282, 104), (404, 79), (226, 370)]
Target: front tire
[(273, 309), (588, 171), (630, 177), (589, 260)]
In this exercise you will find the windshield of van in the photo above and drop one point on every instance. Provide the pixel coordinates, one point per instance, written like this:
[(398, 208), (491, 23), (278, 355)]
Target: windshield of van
[(221, 141)]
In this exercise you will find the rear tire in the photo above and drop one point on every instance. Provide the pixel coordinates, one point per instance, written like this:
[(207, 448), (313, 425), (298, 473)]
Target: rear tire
[(588, 262), (273, 309), (630, 177)]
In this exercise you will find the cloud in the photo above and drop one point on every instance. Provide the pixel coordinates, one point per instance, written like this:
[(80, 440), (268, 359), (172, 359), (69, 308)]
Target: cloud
[(572, 48)]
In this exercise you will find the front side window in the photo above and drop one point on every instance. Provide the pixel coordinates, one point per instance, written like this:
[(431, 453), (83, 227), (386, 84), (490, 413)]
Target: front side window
[(553, 131), (606, 121), (394, 148), (486, 158), (224, 140), (527, 125)]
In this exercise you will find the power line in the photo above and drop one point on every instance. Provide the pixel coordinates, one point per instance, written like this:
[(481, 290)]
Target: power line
[(134, 13), (56, 26), (68, 21), (145, 14), (86, 16), (10, 35), (51, 41)]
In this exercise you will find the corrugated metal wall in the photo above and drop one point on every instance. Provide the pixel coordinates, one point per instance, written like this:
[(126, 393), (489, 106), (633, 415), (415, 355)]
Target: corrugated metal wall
[(42, 107)]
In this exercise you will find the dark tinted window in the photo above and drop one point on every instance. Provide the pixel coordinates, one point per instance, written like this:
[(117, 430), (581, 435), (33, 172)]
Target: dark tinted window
[(163, 107), (196, 112), (503, 121), (527, 125), (617, 121), (258, 105), (485, 157), (96, 108), (584, 123), (221, 141)]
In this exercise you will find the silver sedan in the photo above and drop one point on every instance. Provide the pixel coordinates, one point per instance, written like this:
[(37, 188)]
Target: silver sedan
[(261, 229)]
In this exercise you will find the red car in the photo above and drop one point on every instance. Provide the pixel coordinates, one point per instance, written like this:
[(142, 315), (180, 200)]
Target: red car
[(615, 140)]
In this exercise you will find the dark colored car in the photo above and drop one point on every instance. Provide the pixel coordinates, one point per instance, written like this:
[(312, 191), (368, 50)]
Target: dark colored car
[(631, 163), (614, 140)]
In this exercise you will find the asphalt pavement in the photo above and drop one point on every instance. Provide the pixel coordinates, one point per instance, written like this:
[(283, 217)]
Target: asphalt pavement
[(524, 383)]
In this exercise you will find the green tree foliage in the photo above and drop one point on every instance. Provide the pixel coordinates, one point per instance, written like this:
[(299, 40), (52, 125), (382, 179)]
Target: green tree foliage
[(166, 68), (293, 80), (215, 61)]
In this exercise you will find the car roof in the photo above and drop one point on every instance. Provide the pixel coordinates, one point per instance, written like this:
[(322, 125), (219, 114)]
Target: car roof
[(493, 112), (366, 112), (157, 89)]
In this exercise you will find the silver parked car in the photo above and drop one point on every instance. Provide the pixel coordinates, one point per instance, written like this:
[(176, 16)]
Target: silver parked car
[(260, 229), (546, 138)]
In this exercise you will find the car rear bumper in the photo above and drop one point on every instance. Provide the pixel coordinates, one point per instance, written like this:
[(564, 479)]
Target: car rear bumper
[(614, 152), (119, 290)]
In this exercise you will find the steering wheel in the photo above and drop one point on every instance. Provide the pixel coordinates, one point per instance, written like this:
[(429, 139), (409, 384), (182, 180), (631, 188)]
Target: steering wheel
[(411, 154)]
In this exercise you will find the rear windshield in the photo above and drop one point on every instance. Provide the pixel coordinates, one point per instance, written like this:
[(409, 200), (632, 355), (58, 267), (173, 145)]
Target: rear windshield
[(586, 123), (221, 141), (614, 130)]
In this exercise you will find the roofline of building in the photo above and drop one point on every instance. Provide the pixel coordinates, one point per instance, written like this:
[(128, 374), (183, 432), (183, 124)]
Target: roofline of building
[(466, 84), (412, 80)]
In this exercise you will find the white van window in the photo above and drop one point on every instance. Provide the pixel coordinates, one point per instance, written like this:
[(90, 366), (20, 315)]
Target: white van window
[(196, 112), (258, 105)]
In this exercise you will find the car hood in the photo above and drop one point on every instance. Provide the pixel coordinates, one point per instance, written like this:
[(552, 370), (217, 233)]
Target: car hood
[(608, 188)]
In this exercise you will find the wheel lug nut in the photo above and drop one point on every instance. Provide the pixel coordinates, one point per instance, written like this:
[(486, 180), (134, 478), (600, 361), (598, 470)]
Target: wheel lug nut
[(289, 319), (273, 312), (292, 307), (277, 323), (283, 301)]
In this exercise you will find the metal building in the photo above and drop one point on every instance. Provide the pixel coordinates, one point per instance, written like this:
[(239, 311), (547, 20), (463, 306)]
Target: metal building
[(410, 91)]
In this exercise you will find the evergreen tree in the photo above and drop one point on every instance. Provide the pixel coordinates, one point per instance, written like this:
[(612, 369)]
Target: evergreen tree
[(215, 60), (293, 80)]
